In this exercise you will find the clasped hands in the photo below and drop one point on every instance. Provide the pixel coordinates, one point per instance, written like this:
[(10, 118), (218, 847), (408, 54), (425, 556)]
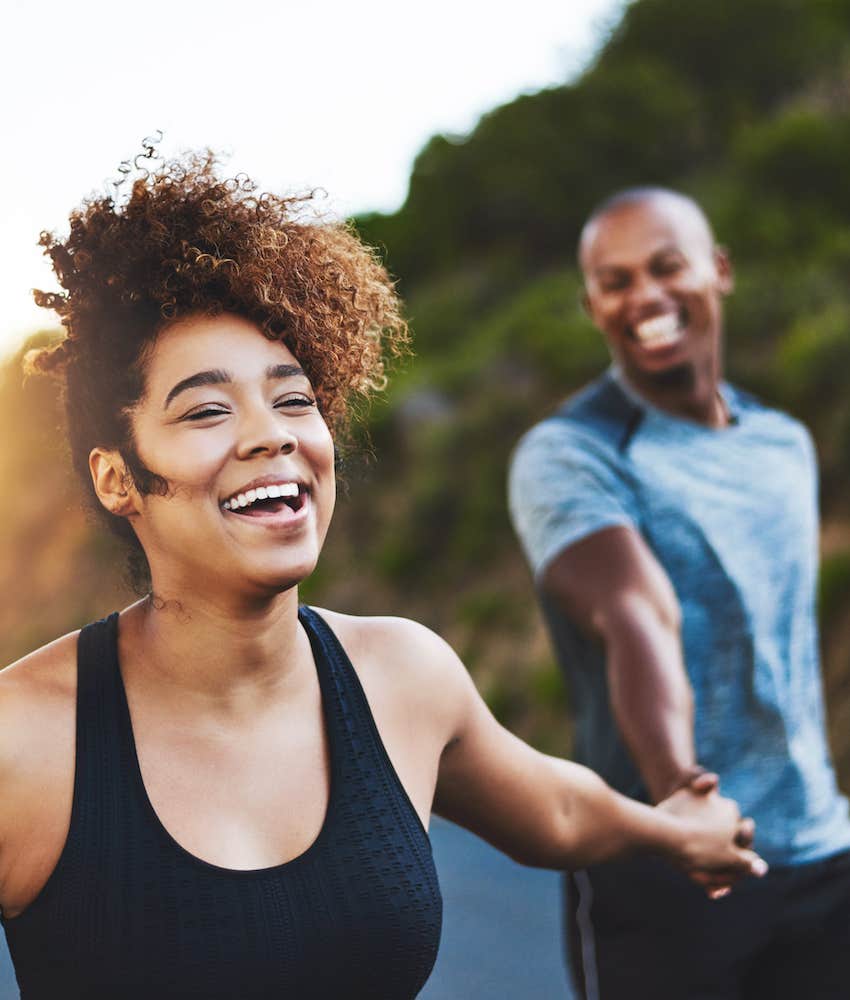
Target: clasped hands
[(718, 853)]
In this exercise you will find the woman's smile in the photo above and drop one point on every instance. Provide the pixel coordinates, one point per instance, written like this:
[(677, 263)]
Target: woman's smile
[(272, 501), (230, 421)]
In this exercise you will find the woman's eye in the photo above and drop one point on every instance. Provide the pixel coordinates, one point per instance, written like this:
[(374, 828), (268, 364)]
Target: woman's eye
[(205, 413), (295, 401)]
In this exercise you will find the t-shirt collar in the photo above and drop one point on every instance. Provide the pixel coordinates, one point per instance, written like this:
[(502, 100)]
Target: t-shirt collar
[(727, 395)]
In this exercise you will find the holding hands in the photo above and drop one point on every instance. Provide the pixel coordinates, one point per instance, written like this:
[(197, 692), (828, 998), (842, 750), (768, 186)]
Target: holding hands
[(717, 853)]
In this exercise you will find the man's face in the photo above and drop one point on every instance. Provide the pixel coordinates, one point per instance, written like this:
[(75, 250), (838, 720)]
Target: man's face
[(654, 284)]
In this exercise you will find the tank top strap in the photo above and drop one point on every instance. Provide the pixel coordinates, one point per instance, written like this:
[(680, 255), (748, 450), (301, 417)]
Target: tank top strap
[(88, 867), (358, 753), (347, 713), (104, 736)]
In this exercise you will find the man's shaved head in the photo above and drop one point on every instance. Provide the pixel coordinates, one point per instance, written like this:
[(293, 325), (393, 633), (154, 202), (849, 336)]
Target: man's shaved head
[(654, 281), (631, 197)]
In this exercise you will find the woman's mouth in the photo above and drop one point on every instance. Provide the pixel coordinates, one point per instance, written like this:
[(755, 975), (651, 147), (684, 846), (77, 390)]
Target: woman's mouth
[(269, 501)]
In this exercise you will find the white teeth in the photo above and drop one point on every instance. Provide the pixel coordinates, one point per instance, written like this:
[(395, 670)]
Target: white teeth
[(659, 331), (272, 492)]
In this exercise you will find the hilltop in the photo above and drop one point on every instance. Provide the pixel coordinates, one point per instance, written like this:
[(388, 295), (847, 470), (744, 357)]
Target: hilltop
[(742, 104)]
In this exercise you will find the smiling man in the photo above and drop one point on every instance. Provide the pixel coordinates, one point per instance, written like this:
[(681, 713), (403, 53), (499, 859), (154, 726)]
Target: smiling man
[(670, 521)]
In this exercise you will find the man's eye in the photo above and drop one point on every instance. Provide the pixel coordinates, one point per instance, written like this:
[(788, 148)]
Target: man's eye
[(613, 284), (668, 266)]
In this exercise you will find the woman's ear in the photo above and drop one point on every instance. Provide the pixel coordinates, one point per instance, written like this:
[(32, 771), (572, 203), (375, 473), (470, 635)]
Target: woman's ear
[(110, 477)]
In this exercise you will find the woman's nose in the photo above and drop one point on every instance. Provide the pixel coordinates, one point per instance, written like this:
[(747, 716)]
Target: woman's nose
[(265, 431)]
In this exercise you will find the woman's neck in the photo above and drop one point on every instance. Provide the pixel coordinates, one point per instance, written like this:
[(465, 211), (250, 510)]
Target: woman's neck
[(212, 655)]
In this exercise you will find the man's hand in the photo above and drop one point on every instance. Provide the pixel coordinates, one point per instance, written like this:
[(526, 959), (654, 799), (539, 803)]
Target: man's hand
[(717, 852)]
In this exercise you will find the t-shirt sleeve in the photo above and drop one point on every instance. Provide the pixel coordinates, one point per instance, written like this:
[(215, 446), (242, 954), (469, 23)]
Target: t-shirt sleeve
[(563, 486)]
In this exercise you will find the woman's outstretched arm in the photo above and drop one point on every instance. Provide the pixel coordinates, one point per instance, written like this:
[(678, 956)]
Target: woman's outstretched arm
[(553, 813)]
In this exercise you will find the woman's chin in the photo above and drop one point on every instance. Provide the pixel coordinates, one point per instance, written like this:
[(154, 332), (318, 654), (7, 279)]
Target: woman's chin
[(273, 581)]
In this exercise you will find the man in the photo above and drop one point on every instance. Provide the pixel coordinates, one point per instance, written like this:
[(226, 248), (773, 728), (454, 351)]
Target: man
[(671, 524)]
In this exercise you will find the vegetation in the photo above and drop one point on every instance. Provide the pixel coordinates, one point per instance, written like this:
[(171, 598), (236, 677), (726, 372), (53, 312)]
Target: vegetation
[(742, 103)]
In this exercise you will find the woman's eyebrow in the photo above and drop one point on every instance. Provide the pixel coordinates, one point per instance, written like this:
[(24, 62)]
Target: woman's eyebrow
[(284, 371), (216, 376)]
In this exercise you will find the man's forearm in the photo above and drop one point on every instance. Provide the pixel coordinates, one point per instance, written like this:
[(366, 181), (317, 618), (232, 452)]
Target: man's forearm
[(651, 697)]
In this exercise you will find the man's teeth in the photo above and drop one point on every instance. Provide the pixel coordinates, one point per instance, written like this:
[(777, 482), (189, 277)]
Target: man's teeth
[(658, 331), (272, 492)]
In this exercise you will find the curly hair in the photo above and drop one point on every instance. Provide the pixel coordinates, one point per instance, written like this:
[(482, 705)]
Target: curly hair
[(180, 242)]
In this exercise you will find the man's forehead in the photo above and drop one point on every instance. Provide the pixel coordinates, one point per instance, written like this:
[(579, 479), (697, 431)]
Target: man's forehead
[(645, 225)]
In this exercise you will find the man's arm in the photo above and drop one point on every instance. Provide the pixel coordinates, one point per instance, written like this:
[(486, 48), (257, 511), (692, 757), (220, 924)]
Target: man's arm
[(612, 587)]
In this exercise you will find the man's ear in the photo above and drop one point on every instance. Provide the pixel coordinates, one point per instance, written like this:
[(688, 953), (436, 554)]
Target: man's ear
[(725, 271), (584, 299), (110, 477)]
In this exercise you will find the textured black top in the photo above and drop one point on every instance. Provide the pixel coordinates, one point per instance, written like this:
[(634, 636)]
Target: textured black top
[(129, 913)]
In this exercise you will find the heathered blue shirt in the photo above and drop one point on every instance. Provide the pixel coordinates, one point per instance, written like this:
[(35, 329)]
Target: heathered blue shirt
[(731, 516)]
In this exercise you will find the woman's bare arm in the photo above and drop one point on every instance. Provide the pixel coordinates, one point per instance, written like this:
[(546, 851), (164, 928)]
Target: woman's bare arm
[(37, 728), (553, 813)]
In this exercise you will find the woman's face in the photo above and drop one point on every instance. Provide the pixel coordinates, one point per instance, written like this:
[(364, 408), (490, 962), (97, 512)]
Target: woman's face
[(230, 420)]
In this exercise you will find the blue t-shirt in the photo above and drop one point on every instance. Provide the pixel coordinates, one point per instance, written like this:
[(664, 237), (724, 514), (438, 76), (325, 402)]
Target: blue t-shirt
[(731, 516)]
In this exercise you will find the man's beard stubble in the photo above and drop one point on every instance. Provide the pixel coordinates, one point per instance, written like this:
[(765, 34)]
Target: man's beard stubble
[(680, 378)]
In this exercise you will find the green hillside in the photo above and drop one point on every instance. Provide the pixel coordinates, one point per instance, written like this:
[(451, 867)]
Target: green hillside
[(743, 104)]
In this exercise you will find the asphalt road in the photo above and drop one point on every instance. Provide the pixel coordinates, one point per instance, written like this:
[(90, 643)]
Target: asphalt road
[(8, 986), (501, 927)]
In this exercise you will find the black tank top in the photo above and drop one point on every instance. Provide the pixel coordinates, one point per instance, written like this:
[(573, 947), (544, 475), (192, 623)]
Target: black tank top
[(129, 913)]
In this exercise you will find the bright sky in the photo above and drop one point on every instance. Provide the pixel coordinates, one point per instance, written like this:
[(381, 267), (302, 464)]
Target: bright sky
[(334, 93)]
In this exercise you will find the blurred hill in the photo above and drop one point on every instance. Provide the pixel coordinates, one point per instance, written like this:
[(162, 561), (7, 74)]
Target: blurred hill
[(744, 104)]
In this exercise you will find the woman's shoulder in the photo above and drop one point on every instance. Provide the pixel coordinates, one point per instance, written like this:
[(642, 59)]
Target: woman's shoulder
[(39, 687), (402, 656), (395, 642), (48, 665)]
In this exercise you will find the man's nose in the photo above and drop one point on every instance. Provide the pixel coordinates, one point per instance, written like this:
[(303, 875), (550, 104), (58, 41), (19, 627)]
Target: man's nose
[(646, 291)]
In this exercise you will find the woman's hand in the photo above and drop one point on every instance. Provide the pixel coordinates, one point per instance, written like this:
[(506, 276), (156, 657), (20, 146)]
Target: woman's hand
[(715, 846)]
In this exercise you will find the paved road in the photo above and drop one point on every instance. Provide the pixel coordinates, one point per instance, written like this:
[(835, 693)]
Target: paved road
[(501, 927), (8, 986)]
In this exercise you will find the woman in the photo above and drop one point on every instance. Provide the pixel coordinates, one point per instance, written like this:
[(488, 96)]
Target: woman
[(215, 793)]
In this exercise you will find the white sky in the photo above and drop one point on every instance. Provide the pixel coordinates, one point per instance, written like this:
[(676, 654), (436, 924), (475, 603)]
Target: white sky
[(340, 94)]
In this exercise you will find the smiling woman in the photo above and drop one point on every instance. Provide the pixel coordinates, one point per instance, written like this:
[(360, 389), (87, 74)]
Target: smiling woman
[(184, 242), (226, 794), (243, 420)]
